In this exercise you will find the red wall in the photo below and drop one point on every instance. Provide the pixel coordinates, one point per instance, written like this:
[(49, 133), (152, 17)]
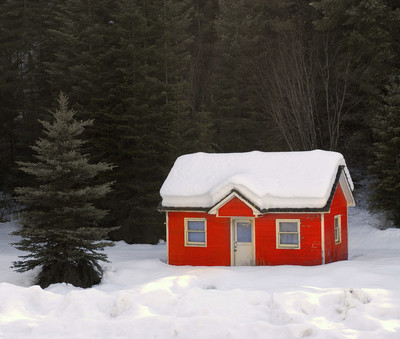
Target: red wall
[(235, 207), (309, 252), (217, 251), (335, 252)]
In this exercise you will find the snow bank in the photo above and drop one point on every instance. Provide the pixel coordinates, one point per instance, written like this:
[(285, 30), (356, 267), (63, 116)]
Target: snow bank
[(142, 297), (270, 180)]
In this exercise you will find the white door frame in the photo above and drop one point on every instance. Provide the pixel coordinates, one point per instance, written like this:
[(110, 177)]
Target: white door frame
[(234, 220)]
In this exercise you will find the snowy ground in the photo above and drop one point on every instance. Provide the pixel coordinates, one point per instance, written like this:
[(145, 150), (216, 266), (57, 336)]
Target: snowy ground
[(142, 297)]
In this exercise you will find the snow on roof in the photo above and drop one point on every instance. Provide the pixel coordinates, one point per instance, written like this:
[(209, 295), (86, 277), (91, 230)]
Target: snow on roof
[(267, 179)]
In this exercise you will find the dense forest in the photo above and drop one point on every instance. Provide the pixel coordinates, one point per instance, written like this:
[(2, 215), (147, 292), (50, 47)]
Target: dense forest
[(165, 78)]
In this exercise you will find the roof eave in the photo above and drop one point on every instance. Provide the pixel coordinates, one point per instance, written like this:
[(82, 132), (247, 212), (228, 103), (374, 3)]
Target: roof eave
[(323, 209), (162, 208)]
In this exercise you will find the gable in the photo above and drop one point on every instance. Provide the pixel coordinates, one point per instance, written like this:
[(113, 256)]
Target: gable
[(235, 207), (339, 198), (233, 204)]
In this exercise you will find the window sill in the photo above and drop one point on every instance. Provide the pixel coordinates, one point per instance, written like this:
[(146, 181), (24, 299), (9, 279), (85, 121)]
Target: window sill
[(196, 245), (288, 247)]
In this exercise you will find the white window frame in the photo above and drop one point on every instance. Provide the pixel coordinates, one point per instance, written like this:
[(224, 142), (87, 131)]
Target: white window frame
[(278, 238), (192, 243), (338, 230)]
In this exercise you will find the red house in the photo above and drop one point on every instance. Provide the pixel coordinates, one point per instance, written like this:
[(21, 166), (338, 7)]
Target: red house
[(257, 208)]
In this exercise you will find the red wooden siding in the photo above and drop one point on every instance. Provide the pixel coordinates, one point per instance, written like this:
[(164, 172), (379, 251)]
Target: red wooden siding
[(235, 207), (336, 252), (217, 251), (309, 252)]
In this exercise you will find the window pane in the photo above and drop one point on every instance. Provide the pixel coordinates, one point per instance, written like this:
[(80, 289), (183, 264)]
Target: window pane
[(197, 237), (243, 231), (337, 234), (336, 222), (289, 239), (195, 225), (287, 226)]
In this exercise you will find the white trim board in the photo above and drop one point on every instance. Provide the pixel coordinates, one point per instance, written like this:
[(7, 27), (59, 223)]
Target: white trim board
[(215, 208)]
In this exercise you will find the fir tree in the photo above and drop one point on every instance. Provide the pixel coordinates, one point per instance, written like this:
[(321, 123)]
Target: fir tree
[(239, 122), (363, 35), (151, 121), (385, 190), (60, 228)]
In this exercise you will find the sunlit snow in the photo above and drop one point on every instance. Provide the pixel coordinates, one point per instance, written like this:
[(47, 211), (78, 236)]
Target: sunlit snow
[(143, 297)]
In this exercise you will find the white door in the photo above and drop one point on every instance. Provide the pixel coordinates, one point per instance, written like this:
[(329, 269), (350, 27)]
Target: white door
[(243, 242)]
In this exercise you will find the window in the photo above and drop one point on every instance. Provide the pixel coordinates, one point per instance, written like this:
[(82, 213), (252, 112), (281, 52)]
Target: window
[(288, 233), (338, 229), (195, 232), (243, 231)]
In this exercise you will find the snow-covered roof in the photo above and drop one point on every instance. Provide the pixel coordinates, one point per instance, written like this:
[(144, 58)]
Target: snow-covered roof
[(267, 179)]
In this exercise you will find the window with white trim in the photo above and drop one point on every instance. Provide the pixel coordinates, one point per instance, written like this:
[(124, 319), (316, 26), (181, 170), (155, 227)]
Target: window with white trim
[(338, 229), (195, 232), (288, 233)]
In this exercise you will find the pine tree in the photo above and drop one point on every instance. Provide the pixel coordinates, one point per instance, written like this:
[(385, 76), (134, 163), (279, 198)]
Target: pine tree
[(150, 122), (199, 93), (385, 189), (19, 26), (240, 124), (60, 228), (363, 35)]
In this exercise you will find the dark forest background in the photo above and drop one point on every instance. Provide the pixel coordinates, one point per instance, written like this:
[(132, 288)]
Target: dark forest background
[(169, 77)]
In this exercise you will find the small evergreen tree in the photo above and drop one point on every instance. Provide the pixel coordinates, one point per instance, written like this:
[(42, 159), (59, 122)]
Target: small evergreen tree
[(60, 228)]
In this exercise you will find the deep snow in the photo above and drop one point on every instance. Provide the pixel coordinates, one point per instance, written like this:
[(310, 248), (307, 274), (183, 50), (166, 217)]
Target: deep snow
[(268, 179), (142, 297)]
